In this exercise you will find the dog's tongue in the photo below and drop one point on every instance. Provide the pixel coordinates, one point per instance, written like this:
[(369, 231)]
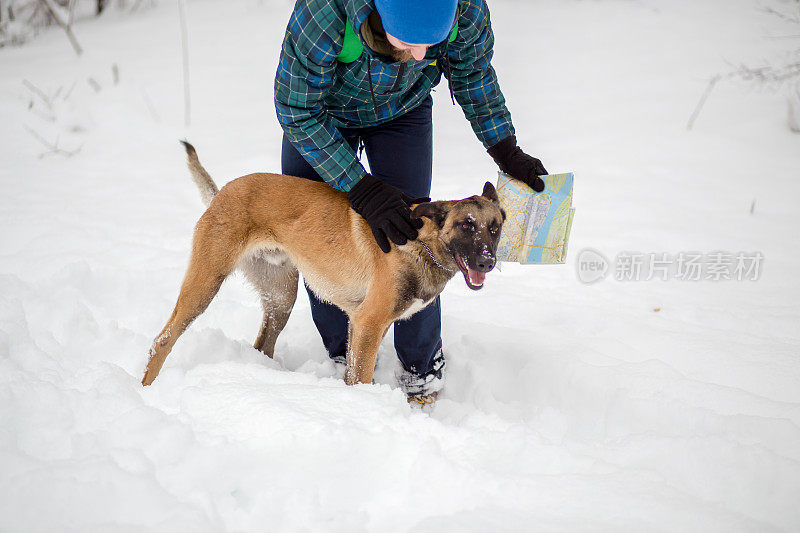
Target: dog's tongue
[(475, 277)]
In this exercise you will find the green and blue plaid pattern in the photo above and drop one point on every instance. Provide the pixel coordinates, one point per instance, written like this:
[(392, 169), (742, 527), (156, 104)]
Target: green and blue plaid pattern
[(315, 94)]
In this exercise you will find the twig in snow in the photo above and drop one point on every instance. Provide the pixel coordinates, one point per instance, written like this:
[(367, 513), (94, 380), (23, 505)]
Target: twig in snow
[(150, 107), (115, 73), (38, 92), (63, 19), (93, 83), (69, 91), (711, 83), (71, 10), (793, 102), (53, 147), (768, 74), (764, 75), (137, 5), (793, 18), (48, 112)]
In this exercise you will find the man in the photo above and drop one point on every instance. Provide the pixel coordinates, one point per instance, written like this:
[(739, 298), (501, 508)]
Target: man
[(357, 75)]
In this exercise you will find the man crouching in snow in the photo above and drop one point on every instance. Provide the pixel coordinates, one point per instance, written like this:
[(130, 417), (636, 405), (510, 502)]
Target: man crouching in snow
[(357, 74)]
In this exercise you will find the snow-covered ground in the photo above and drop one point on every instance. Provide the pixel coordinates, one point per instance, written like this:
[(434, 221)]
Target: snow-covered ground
[(568, 407)]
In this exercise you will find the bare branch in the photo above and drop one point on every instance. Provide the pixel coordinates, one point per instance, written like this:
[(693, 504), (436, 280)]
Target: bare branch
[(38, 92), (94, 84), (699, 107), (781, 15), (52, 147), (60, 15), (63, 19), (69, 91), (150, 107), (767, 74), (793, 103), (136, 6), (71, 11)]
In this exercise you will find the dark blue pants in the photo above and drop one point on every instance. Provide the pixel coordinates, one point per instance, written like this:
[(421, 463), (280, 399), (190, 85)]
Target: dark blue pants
[(400, 153)]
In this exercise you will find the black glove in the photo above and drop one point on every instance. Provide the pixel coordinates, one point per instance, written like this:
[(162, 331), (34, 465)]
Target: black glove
[(517, 164), (386, 210)]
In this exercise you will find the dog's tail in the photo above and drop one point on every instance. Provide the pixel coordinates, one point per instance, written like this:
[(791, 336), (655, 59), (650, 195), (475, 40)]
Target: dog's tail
[(208, 189)]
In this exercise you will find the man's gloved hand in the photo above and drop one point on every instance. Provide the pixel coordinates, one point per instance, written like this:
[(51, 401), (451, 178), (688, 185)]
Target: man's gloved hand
[(517, 164), (386, 210)]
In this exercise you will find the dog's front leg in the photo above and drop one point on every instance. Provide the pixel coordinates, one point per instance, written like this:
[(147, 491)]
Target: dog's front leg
[(366, 333)]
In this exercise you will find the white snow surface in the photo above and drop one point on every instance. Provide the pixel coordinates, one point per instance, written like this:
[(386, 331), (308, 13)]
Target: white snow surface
[(567, 407)]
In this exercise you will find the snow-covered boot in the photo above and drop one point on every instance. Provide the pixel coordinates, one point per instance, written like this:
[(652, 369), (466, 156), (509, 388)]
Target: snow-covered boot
[(423, 389)]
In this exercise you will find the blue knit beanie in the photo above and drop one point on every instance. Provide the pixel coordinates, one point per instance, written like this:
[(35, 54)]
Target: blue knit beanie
[(418, 21)]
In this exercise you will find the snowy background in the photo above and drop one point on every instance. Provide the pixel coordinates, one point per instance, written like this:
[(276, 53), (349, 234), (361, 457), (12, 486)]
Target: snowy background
[(638, 406)]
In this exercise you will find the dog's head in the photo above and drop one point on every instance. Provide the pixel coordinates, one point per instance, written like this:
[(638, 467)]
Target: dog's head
[(470, 229)]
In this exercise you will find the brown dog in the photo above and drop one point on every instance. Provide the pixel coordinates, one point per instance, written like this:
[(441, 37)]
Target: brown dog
[(270, 226)]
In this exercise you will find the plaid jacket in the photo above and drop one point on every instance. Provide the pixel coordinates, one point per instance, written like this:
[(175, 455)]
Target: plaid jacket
[(315, 94)]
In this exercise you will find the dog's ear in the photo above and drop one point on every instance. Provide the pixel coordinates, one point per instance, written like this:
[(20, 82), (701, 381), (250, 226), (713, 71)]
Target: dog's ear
[(490, 192), (436, 211)]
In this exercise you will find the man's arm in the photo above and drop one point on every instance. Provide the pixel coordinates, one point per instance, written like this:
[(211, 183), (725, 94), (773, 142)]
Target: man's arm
[(306, 72), (473, 78), (477, 91)]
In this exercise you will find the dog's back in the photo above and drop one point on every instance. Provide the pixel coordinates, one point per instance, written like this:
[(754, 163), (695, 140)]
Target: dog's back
[(264, 213)]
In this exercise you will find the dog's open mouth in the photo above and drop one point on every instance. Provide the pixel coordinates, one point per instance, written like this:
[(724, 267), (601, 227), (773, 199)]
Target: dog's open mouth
[(473, 278)]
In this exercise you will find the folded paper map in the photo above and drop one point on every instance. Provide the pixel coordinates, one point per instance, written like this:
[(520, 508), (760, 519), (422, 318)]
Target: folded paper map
[(537, 224)]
